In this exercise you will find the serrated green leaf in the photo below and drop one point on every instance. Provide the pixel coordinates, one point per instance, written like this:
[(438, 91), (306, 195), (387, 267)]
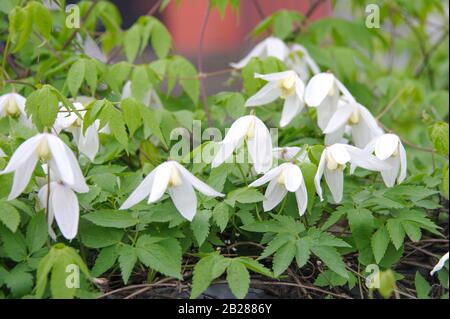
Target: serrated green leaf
[(75, 76), (423, 288), (396, 232), (302, 252), (9, 216), (221, 215), (111, 218), (332, 259), (283, 258), (36, 235), (127, 260), (380, 242), (200, 226), (238, 279)]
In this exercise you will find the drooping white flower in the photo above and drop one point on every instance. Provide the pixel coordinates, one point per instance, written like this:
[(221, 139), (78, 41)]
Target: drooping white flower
[(270, 47), (48, 148), (87, 142), (63, 206), (150, 98), (363, 126), (13, 104), (333, 161), (389, 148), (324, 91), (180, 184), (440, 264), (91, 48), (254, 132), (290, 153), (301, 62), (285, 85), (282, 179)]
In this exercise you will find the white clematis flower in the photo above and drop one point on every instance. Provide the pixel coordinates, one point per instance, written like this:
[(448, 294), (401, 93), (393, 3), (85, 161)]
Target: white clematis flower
[(49, 148), (282, 179), (88, 142), (363, 126), (389, 148), (63, 206), (286, 85), (150, 98), (291, 153), (440, 264), (324, 91), (13, 104), (333, 162), (180, 184), (251, 129), (270, 47), (301, 62)]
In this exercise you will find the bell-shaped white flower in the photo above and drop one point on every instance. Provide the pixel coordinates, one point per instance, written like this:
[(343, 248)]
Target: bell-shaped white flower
[(88, 142), (285, 85), (440, 264), (282, 179), (333, 161), (363, 126), (254, 132), (48, 148), (301, 62), (13, 104), (389, 148), (63, 206), (270, 47), (150, 98), (180, 184), (289, 153), (324, 91)]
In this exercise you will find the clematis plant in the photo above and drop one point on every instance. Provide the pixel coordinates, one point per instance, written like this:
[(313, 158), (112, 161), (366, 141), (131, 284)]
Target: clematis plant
[(301, 62), (283, 179), (333, 161), (270, 47), (180, 184), (49, 149), (285, 85), (254, 132), (440, 264), (13, 104), (289, 153), (150, 98)]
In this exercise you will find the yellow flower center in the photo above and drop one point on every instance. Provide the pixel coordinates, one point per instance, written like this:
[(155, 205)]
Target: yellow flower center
[(43, 150), (175, 179), (287, 86), (250, 130), (280, 179), (332, 164), (395, 152), (11, 107), (354, 118)]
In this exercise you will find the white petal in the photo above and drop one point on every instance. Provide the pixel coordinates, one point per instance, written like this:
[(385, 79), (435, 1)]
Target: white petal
[(365, 160), (340, 153), (142, 191), (286, 153), (319, 174), (275, 77), (386, 145), (271, 174), (60, 159), (66, 209), (260, 148), (390, 175), (234, 136), (335, 182), (326, 110), (88, 143), (293, 177), (369, 150), (318, 88), (197, 183), (92, 50), (339, 119), (403, 163), (163, 173), (345, 92), (301, 195), (276, 48), (335, 137), (24, 152), (440, 264), (293, 105), (22, 177), (268, 93), (257, 51), (126, 90), (184, 199), (275, 192)]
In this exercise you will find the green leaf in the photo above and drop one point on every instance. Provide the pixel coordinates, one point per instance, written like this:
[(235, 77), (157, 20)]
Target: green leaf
[(111, 218), (396, 232), (186, 72), (315, 152), (445, 182), (161, 39), (127, 260), (423, 288), (105, 260), (75, 76), (200, 226), (238, 279), (132, 42), (331, 258), (20, 27), (14, 245), (130, 109), (245, 196), (19, 281), (302, 252), (439, 136), (380, 242), (163, 255), (36, 232), (9, 216), (361, 223), (309, 172), (255, 266), (221, 215), (42, 19), (203, 273), (283, 258), (412, 229), (282, 24), (91, 75), (140, 82), (93, 236)]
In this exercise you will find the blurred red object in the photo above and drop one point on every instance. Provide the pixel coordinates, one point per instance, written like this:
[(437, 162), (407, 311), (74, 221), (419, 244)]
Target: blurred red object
[(230, 32)]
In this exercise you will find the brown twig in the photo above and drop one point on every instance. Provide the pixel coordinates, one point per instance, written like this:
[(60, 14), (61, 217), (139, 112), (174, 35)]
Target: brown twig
[(154, 8), (258, 8)]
